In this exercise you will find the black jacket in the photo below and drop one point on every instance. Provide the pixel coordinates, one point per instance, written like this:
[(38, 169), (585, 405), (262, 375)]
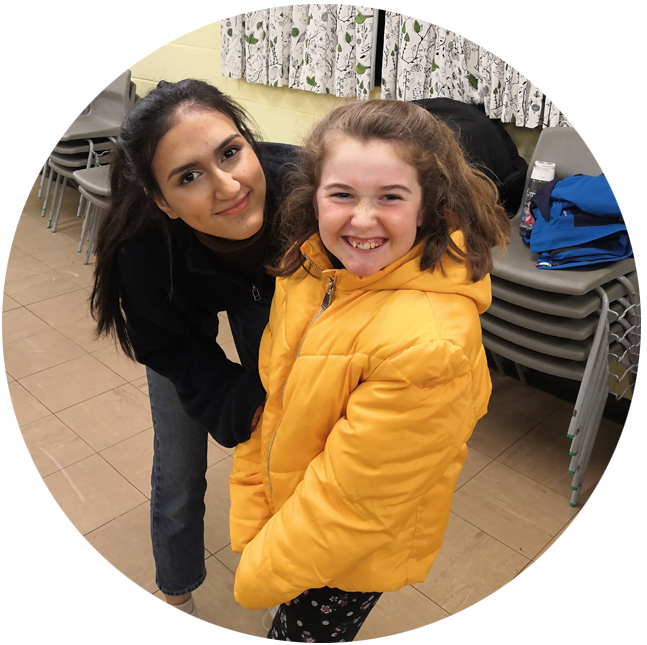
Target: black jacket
[(171, 296), (487, 144)]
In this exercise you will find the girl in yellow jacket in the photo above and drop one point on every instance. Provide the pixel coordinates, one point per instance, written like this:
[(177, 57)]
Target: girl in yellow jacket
[(373, 366)]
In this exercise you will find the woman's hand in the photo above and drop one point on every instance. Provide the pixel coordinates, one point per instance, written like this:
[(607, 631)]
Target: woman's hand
[(257, 416)]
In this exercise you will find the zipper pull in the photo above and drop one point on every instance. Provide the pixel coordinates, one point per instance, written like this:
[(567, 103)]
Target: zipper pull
[(256, 293), (328, 296)]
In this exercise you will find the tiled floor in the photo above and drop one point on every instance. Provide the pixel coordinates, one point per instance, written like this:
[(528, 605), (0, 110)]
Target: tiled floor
[(83, 411)]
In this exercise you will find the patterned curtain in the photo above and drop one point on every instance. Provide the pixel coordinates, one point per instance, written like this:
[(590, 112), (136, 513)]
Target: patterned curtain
[(422, 60), (327, 49)]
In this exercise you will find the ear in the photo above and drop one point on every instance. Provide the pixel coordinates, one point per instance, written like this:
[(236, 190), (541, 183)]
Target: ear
[(420, 218), (164, 207)]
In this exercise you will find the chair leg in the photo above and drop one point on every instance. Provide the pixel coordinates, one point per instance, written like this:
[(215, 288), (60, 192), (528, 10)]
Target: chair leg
[(58, 207), (49, 186), (521, 374), (499, 363), (52, 206), (587, 448), (87, 217), (42, 180), (93, 229)]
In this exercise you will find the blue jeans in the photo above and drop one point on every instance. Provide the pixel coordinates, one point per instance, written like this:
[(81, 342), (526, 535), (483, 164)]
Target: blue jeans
[(178, 488), (180, 463)]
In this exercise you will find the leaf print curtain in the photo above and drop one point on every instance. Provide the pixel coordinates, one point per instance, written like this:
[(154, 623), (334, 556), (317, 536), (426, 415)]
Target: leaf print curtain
[(422, 60), (327, 49)]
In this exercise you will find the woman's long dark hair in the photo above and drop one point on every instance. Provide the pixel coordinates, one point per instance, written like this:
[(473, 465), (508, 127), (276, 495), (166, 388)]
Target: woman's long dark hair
[(133, 187)]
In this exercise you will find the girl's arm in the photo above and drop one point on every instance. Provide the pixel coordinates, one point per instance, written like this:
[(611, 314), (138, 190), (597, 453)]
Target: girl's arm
[(404, 426)]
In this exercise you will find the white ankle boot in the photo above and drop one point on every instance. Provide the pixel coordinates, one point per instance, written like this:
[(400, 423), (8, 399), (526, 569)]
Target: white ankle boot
[(188, 607)]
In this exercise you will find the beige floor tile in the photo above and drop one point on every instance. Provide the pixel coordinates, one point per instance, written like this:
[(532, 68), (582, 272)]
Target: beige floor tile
[(24, 267), (476, 461), (29, 226), (230, 351), (400, 611), (10, 379), (47, 285), (69, 263), (215, 453), (542, 454), (118, 362), (21, 323), (52, 445), (227, 451), (15, 252), (91, 493), (216, 520), (553, 553), (470, 566), (133, 458), (141, 384), (110, 417), (224, 331), (228, 558), (82, 333), (512, 508), (216, 604), (39, 352), (499, 429), (525, 399), (45, 241), (26, 407), (64, 309), (125, 542), (66, 385), (9, 303)]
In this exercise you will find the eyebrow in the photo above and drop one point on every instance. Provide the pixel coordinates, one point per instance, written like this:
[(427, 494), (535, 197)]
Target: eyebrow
[(345, 187), (192, 164)]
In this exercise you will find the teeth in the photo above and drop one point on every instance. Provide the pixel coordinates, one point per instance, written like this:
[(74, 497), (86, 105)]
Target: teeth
[(366, 246)]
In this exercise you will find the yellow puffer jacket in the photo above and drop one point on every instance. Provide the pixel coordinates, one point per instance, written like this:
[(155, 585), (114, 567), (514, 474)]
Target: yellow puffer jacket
[(348, 479)]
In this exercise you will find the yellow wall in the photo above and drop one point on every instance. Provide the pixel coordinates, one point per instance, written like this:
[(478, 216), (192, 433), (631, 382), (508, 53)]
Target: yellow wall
[(283, 114)]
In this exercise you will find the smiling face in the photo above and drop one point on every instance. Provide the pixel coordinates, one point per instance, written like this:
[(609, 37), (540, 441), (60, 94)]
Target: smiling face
[(369, 204), (209, 176)]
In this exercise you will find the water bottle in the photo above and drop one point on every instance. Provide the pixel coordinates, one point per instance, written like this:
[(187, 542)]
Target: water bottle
[(543, 172)]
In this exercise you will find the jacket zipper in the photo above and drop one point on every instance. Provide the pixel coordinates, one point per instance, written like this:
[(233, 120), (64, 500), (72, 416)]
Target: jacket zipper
[(256, 293), (325, 303)]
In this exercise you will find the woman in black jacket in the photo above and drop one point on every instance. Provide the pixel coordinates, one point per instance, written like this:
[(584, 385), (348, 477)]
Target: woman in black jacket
[(187, 234)]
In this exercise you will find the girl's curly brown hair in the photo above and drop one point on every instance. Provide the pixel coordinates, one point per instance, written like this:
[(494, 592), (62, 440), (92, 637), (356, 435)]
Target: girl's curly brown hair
[(455, 194)]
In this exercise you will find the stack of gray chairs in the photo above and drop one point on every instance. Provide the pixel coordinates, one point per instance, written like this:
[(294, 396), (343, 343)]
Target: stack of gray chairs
[(88, 142), (94, 185), (569, 323)]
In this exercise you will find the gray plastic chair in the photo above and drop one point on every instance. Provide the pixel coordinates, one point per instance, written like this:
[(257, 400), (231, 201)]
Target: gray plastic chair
[(569, 322), (94, 185), (93, 132), (105, 113), (64, 165)]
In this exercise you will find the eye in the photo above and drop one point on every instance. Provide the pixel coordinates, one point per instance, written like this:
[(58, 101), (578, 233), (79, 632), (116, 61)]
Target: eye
[(230, 152), (341, 195), (390, 198), (189, 177)]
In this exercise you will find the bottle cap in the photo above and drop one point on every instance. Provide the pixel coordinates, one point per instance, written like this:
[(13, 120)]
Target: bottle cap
[(543, 170)]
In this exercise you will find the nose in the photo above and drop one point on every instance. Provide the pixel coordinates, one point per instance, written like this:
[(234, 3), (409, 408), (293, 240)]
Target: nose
[(226, 187), (363, 217)]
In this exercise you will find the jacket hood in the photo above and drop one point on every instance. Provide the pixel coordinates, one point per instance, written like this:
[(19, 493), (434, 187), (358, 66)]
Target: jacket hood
[(405, 274)]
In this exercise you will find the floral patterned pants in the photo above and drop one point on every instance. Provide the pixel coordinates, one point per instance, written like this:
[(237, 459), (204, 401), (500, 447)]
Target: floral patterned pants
[(322, 616)]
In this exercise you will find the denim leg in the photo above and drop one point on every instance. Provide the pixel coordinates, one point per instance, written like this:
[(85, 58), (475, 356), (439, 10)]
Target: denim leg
[(178, 488)]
